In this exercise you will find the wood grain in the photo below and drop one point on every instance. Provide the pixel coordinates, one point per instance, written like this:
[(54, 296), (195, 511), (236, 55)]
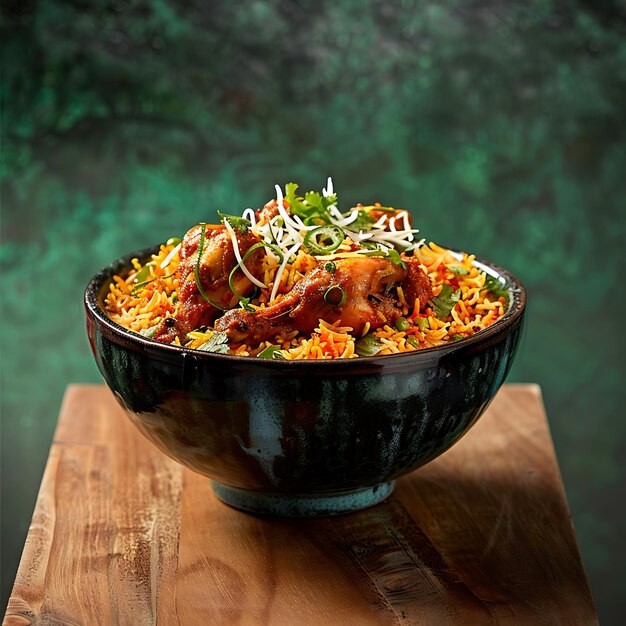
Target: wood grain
[(123, 535)]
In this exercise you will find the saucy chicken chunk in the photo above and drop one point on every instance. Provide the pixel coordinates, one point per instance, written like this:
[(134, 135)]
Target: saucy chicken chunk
[(216, 262), (359, 291)]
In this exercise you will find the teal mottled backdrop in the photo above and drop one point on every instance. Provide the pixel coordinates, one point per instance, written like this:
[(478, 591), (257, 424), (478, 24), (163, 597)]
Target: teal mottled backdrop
[(499, 124)]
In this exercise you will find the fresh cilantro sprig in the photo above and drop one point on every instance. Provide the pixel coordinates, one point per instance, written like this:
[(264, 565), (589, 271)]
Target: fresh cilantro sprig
[(494, 286), (312, 207), (237, 222)]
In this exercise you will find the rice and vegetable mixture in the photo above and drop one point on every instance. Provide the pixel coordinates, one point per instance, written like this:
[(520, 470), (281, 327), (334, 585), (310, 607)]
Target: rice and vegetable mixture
[(299, 279)]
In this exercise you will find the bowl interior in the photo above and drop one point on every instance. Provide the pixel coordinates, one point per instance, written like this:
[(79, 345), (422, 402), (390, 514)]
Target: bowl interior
[(98, 288)]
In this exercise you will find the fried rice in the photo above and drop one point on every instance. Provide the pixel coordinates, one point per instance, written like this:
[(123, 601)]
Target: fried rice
[(147, 294)]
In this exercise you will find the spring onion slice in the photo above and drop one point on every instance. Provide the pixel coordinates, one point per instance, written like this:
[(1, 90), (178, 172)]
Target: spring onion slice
[(369, 345), (271, 352), (335, 296)]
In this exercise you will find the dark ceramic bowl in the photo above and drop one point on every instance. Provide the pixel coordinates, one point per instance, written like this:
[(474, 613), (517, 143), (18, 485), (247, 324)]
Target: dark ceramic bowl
[(302, 437)]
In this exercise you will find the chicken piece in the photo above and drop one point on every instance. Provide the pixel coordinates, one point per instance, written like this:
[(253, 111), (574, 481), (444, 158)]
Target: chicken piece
[(366, 282), (217, 261), (416, 286)]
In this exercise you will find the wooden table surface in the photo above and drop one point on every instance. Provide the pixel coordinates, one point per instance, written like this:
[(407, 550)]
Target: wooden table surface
[(121, 534)]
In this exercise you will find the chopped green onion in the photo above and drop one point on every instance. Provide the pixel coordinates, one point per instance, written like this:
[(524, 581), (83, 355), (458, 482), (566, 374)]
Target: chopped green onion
[(330, 267), (457, 337), (369, 345), (217, 343), (324, 240), (173, 241), (402, 324), (422, 322), (335, 296), (413, 341), (196, 272), (458, 270)]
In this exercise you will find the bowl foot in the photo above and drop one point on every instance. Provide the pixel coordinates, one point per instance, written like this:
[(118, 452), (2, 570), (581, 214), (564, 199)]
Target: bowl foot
[(287, 505)]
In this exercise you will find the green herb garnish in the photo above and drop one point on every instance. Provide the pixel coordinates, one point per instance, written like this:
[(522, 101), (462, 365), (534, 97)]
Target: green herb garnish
[(445, 301), (494, 286), (271, 352), (422, 322), (394, 257), (217, 343), (312, 208), (142, 275), (324, 240), (330, 267), (458, 270), (388, 253), (238, 223), (402, 324), (413, 341), (148, 332), (335, 296), (370, 345), (363, 222)]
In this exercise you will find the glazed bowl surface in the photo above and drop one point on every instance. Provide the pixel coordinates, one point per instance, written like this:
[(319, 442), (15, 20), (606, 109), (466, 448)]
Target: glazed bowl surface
[(302, 437)]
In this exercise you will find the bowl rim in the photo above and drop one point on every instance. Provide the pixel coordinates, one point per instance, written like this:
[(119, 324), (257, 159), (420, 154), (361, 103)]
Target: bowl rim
[(515, 288)]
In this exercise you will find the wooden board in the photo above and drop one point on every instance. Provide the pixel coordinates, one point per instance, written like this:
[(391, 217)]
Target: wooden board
[(123, 535)]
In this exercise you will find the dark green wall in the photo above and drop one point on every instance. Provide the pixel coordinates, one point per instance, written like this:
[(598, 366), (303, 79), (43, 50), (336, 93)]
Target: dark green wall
[(499, 124)]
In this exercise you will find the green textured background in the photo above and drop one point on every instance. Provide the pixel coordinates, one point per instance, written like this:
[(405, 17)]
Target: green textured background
[(500, 125)]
